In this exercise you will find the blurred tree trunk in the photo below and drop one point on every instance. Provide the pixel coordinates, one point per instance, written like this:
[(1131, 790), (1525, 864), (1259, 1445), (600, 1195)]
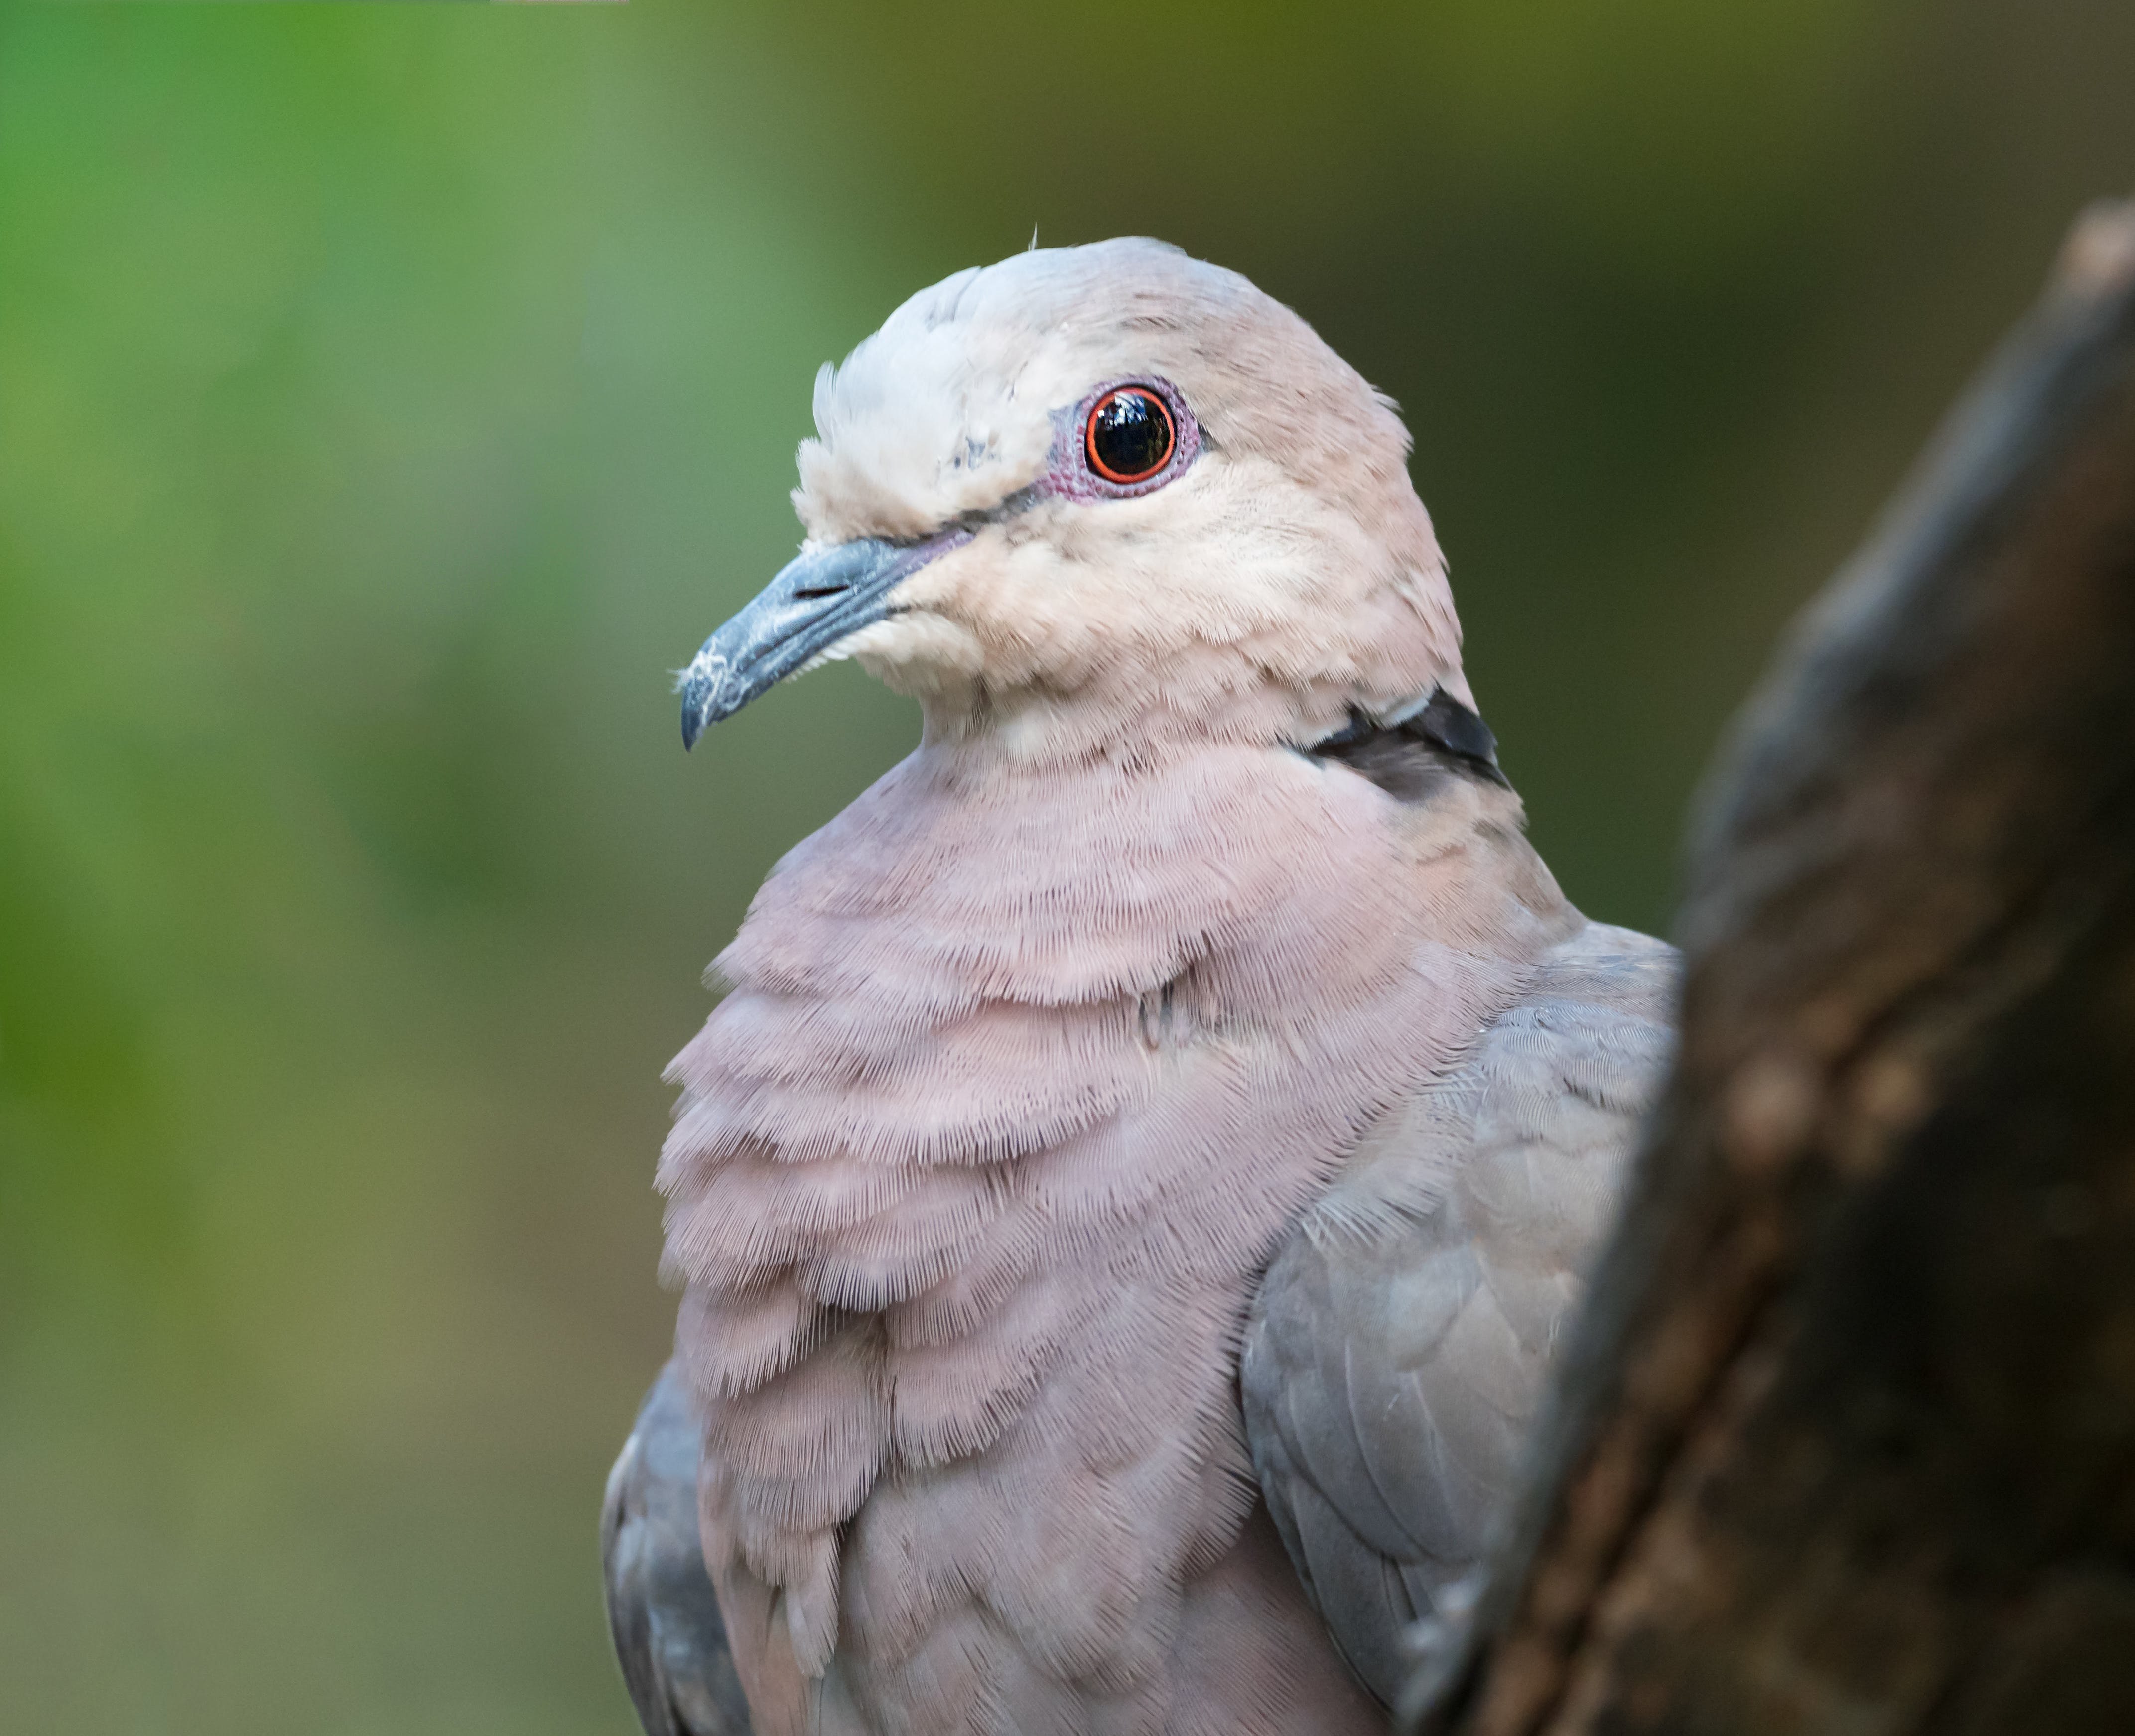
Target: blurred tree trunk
[(1847, 1442)]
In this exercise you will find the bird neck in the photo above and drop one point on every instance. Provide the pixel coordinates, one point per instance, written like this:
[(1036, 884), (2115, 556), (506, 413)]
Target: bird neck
[(1149, 711)]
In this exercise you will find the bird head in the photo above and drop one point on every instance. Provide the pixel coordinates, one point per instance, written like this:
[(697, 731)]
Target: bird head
[(1097, 493)]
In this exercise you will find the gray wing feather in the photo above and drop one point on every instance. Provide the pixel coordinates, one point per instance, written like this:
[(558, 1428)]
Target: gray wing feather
[(1397, 1347), (661, 1609)]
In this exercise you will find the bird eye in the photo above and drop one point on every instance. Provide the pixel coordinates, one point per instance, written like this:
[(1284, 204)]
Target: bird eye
[(1130, 437)]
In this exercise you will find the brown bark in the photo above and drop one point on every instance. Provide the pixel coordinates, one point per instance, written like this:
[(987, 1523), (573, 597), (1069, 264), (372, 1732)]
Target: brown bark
[(1847, 1439)]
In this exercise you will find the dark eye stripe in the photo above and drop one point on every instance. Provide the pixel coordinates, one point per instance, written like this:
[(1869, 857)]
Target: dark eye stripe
[(1130, 437)]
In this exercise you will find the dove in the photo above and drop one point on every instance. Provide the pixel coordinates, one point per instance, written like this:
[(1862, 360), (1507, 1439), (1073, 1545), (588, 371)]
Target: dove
[(1127, 1199)]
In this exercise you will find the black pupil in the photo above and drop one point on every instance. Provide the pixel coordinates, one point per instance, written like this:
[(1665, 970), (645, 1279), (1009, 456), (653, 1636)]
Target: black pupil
[(1132, 434)]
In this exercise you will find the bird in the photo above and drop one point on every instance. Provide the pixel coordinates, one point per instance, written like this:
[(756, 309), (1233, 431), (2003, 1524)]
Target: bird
[(1127, 1201)]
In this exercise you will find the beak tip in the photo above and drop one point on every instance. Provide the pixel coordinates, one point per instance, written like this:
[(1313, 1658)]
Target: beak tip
[(701, 692), (694, 714)]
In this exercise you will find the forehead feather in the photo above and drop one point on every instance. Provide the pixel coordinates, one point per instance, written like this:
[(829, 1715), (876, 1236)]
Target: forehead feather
[(949, 407)]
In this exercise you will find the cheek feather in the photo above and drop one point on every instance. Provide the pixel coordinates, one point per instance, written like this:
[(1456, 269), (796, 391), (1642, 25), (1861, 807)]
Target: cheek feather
[(917, 653)]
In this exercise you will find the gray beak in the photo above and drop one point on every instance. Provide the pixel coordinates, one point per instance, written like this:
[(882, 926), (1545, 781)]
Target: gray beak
[(820, 597)]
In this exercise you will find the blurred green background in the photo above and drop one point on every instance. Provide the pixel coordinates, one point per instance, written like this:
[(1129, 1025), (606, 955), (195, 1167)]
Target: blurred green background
[(391, 396)]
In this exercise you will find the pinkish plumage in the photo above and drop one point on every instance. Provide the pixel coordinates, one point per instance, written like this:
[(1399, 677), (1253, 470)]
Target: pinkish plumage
[(1035, 1056)]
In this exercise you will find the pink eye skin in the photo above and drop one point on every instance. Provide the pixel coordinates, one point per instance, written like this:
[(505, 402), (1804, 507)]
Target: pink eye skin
[(1128, 437)]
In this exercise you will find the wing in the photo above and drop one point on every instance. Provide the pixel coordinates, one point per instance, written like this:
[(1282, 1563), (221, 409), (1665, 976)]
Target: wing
[(1397, 1350), (661, 1609)]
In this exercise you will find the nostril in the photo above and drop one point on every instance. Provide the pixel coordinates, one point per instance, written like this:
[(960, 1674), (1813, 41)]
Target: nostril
[(815, 591)]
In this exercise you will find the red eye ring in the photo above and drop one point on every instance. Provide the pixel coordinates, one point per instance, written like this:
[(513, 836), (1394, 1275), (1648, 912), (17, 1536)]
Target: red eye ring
[(1130, 435)]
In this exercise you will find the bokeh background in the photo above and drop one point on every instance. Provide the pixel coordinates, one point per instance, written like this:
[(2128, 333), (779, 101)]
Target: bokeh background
[(391, 396)]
